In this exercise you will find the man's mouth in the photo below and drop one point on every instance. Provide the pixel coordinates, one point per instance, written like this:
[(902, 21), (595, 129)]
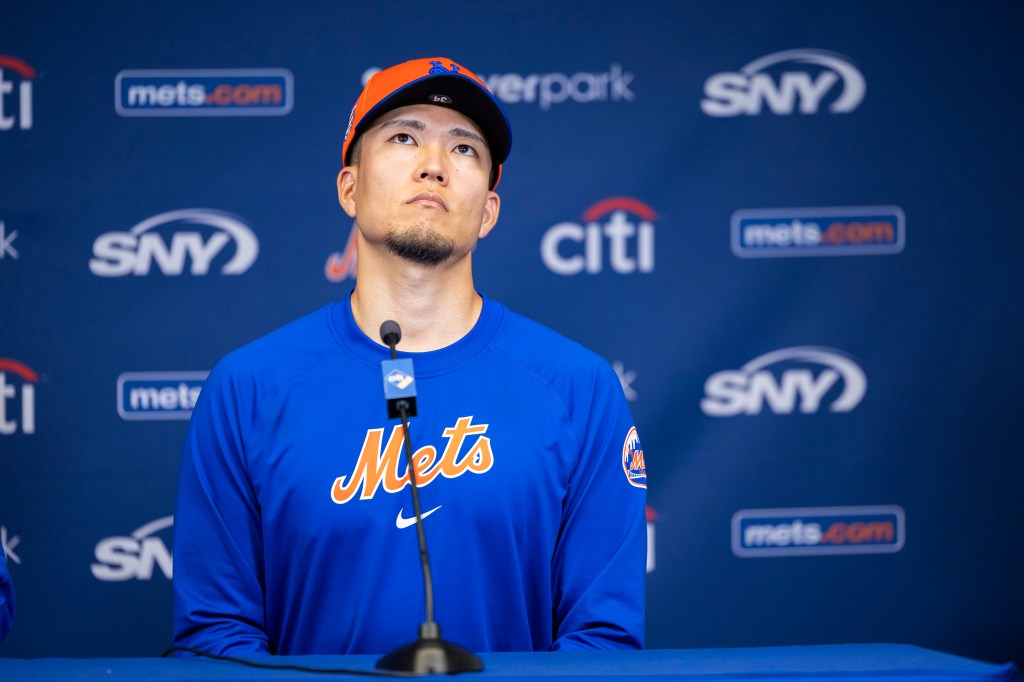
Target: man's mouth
[(429, 197)]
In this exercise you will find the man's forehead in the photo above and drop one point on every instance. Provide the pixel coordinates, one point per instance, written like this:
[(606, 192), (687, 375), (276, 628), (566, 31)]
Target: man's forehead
[(430, 115)]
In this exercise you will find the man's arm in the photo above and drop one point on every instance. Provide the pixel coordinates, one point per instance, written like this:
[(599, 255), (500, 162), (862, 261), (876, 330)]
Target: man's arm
[(218, 546), (599, 566)]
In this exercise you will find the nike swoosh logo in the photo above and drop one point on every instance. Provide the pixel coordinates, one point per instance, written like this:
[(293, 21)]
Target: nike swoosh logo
[(403, 522)]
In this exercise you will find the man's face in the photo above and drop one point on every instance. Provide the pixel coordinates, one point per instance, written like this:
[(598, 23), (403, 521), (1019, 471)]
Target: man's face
[(420, 187)]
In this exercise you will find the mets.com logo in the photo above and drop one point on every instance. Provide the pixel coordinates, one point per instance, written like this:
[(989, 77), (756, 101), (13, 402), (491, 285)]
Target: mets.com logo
[(147, 396), (802, 378), (204, 92), (821, 530), (789, 82), (840, 231), (606, 237)]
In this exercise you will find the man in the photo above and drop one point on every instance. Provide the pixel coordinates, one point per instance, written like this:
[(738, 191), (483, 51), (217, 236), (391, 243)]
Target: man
[(293, 523)]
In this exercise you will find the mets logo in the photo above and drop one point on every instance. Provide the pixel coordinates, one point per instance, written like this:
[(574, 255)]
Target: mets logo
[(633, 460), (436, 68), (379, 464), (341, 265)]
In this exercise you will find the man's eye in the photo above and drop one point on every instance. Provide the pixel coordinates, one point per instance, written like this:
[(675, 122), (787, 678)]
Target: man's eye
[(465, 149), (403, 138)]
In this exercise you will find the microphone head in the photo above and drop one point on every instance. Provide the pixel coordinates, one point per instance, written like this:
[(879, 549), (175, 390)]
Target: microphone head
[(388, 330)]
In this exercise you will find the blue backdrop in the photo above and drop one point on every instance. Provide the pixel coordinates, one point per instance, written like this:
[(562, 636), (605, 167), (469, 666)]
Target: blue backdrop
[(793, 227)]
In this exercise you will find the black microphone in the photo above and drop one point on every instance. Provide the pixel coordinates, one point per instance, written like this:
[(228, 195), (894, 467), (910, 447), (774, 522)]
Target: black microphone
[(399, 380), (429, 654), (391, 334)]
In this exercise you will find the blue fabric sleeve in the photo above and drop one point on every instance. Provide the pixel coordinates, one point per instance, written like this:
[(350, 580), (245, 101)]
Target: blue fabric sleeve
[(218, 546), (599, 564), (6, 598)]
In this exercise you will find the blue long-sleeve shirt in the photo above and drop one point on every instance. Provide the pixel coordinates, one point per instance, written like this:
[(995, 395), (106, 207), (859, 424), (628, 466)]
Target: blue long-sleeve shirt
[(291, 531)]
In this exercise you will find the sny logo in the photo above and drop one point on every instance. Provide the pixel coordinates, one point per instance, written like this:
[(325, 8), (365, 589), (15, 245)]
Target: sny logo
[(9, 391), (630, 245), (399, 380), (749, 389), (803, 89), (24, 96), (122, 558), (116, 254)]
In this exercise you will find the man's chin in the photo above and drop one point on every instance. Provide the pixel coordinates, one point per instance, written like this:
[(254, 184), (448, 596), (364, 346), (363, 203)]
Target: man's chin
[(424, 247)]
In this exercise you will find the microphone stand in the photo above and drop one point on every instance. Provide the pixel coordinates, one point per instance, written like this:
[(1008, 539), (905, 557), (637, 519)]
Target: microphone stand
[(429, 653)]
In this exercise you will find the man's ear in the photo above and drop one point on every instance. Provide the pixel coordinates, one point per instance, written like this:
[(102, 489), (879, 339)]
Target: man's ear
[(492, 207), (346, 189)]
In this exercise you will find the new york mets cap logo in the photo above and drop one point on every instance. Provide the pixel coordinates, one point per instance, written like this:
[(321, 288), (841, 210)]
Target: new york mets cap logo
[(437, 68), (633, 460), (433, 80)]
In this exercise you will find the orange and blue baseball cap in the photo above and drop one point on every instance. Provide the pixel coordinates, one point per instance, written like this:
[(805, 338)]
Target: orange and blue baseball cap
[(434, 80)]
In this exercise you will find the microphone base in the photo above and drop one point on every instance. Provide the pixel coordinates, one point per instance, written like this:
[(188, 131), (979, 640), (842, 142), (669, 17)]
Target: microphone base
[(431, 655)]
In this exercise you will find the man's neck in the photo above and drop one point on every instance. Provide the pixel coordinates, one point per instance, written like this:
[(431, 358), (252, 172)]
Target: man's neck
[(435, 306)]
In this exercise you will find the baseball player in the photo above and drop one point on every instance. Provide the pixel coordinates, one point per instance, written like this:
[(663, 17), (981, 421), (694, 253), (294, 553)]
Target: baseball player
[(294, 530)]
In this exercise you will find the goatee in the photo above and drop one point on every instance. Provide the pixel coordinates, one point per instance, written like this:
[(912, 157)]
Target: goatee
[(419, 245)]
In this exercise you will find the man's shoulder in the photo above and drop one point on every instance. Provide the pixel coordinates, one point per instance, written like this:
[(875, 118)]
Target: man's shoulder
[(282, 352), (540, 347)]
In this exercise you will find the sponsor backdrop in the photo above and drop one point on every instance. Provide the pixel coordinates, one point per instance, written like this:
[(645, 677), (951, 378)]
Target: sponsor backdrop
[(793, 228)]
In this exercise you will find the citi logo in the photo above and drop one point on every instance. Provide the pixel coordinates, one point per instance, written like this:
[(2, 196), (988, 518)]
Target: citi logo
[(133, 557), (801, 379), (158, 395), (821, 530), (17, 407), (606, 237), (841, 231), (170, 240), (786, 82), (204, 92), (21, 101)]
